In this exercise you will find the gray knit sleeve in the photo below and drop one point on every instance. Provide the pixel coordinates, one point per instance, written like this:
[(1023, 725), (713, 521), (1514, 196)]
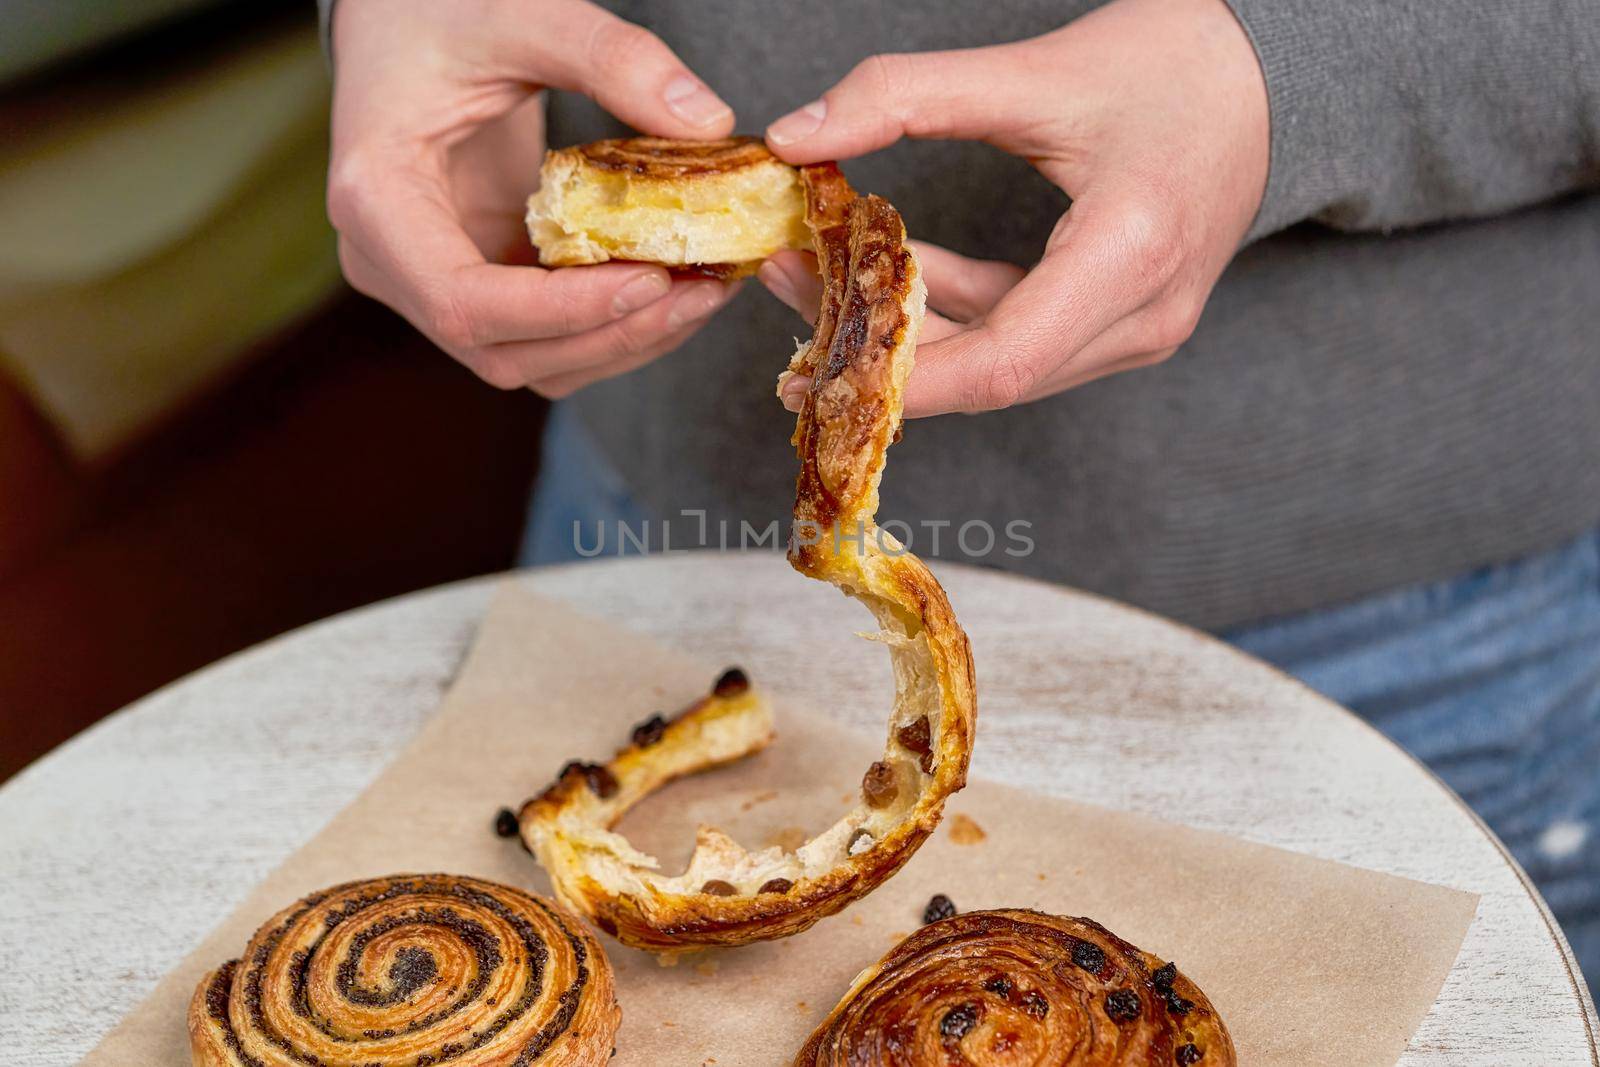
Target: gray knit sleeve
[(1394, 113), (325, 17)]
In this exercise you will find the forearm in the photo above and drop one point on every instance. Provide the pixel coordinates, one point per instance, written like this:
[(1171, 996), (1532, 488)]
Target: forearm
[(1394, 113)]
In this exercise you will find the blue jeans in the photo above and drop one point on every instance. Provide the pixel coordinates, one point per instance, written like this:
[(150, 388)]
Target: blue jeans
[(1491, 678)]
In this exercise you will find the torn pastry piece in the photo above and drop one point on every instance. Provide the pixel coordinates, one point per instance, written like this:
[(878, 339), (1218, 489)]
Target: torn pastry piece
[(858, 361), (709, 207), (1020, 987), (411, 969), (725, 896)]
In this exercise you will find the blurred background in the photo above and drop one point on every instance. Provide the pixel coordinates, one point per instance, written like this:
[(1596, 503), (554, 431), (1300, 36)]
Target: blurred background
[(205, 438)]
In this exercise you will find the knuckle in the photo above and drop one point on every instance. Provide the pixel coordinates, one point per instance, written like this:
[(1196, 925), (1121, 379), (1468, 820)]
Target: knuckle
[(573, 300), (349, 180), (561, 310), (502, 373), (351, 267), (446, 321), (883, 73), (1007, 379), (620, 46), (1154, 242), (623, 341), (879, 90), (1175, 322)]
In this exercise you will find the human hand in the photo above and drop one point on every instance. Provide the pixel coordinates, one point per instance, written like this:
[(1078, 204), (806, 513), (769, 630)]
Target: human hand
[(437, 136), (1150, 114)]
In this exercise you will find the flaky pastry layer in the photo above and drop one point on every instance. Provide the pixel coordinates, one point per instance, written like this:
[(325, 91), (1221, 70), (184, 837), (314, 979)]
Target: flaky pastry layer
[(411, 969), (714, 207), (859, 360)]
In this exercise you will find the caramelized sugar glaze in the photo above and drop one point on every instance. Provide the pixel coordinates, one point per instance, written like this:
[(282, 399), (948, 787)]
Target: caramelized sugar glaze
[(1014, 988)]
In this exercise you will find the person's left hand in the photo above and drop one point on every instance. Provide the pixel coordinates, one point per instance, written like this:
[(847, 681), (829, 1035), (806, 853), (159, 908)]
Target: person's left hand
[(1150, 114)]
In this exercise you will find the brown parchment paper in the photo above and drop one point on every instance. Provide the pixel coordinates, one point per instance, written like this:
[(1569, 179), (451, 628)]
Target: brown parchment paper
[(1309, 962)]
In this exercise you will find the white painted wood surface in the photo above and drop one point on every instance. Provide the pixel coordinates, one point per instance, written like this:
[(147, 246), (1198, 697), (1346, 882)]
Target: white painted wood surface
[(122, 848)]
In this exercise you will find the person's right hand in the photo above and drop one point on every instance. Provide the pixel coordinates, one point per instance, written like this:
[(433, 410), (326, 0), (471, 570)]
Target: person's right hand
[(437, 137)]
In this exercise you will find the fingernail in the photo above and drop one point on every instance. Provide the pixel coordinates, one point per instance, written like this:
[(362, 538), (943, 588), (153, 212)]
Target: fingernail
[(643, 291), (697, 303), (777, 282), (794, 392), (692, 102), (797, 125)]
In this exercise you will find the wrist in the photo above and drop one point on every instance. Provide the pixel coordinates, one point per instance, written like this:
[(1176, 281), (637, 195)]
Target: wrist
[(1310, 163)]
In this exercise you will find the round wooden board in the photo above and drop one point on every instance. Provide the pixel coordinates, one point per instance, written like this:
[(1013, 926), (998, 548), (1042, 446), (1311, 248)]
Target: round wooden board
[(123, 847)]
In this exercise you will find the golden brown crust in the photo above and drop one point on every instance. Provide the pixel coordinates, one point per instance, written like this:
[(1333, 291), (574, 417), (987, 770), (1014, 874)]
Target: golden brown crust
[(411, 969), (662, 157), (860, 358), (1000, 988)]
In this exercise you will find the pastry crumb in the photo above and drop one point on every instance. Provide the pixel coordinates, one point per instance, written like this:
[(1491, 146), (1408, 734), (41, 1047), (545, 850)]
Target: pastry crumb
[(963, 831), (759, 798)]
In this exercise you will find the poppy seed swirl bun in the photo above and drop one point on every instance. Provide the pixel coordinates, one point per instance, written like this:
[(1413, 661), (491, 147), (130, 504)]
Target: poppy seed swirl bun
[(716, 208), (858, 360), (1015, 988), (406, 970)]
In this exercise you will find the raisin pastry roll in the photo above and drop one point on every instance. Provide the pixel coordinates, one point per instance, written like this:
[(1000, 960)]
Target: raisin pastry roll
[(716, 208), (858, 361), (1008, 988), (411, 970)]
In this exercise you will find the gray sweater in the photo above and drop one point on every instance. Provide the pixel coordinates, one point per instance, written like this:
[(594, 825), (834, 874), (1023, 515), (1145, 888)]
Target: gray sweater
[(1398, 380)]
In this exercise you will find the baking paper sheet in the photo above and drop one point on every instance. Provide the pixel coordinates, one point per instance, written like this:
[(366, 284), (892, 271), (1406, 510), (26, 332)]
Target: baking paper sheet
[(1309, 962)]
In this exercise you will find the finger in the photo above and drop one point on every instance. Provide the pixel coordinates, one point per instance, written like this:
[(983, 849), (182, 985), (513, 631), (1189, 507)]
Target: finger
[(565, 385), (1108, 259), (436, 276), (627, 69), (489, 173), (792, 388), (627, 343), (1142, 339), (912, 94), (792, 278), (962, 287)]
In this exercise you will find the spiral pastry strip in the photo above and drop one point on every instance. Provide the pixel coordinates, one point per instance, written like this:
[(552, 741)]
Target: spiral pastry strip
[(1009, 988), (858, 361), (411, 971), (715, 208)]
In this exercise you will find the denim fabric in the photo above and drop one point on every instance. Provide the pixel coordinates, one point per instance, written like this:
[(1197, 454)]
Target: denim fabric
[(1491, 678), (579, 494)]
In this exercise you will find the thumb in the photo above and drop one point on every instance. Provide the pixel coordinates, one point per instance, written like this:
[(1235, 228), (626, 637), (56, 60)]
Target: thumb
[(627, 69), (974, 94)]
